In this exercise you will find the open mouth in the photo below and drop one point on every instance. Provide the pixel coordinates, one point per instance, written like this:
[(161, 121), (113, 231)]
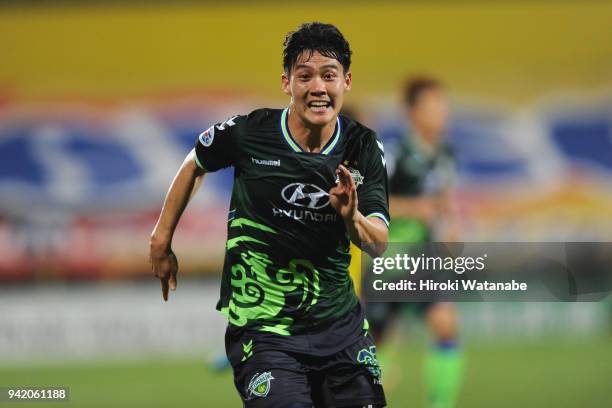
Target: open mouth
[(319, 106)]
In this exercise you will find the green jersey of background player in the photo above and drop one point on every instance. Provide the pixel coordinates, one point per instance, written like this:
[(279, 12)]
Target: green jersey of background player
[(306, 182)]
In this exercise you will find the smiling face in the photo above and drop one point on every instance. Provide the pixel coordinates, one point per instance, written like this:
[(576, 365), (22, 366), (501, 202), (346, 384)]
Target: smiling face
[(316, 85)]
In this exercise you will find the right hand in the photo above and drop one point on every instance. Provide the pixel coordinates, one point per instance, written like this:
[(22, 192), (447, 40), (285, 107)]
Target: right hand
[(165, 267)]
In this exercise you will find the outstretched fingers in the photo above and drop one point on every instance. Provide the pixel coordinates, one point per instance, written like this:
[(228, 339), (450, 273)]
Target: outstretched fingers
[(165, 269), (165, 287), (346, 177), (172, 282)]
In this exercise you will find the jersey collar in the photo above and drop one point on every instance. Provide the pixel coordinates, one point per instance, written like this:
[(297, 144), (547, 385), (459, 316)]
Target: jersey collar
[(296, 147)]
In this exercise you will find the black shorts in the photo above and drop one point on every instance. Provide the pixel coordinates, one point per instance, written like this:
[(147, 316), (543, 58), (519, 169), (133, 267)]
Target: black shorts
[(286, 379)]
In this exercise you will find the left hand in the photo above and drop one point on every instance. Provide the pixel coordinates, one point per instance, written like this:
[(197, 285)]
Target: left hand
[(343, 197)]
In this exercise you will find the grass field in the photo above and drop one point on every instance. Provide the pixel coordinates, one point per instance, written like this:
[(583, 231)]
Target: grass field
[(534, 374)]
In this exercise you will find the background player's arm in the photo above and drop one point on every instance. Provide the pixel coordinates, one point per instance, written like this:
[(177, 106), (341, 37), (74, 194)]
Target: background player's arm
[(439, 210), (368, 233), (423, 208), (185, 184)]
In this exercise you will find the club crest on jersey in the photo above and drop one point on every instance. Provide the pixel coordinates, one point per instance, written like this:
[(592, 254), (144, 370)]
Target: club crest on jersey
[(259, 386), (355, 175), (207, 137)]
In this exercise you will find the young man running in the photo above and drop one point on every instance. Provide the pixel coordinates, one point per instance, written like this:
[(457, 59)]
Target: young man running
[(306, 182)]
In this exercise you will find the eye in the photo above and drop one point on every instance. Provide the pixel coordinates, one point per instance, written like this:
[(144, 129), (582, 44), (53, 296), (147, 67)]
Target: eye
[(329, 76), (303, 77)]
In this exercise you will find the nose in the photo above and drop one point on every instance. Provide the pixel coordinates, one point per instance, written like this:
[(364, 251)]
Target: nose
[(318, 87)]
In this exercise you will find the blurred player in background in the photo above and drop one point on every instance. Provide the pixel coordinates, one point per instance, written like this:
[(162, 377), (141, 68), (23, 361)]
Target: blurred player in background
[(420, 183), (307, 182)]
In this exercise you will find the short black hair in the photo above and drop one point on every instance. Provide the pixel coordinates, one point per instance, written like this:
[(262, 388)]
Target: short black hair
[(415, 86), (326, 39)]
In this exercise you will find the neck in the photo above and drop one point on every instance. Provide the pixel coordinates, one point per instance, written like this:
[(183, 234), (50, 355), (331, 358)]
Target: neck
[(427, 137), (310, 138), (426, 141)]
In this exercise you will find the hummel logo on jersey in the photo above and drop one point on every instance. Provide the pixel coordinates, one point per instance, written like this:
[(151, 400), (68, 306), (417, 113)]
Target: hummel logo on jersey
[(266, 162), (228, 123), (248, 350), (305, 195)]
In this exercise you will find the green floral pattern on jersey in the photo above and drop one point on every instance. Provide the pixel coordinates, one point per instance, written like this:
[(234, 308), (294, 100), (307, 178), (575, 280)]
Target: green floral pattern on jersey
[(260, 291)]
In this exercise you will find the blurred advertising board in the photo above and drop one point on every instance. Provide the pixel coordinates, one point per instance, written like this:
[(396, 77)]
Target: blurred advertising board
[(82, 182)]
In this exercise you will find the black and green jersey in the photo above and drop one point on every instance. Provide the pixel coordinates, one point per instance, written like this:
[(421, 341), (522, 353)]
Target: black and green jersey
[(287, 251), (419, 171)]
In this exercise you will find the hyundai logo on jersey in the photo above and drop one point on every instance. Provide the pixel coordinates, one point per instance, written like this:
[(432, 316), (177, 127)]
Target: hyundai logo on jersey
[(305, 195)]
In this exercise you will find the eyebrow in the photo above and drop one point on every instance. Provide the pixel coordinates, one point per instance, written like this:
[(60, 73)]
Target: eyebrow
[(324, 66)]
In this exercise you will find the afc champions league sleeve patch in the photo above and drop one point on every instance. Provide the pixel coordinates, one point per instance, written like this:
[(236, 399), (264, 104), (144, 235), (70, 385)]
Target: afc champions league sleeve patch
[(207, 137)]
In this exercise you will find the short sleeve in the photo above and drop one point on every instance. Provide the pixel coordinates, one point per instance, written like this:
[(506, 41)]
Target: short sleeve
[(216, 147), (373, 196)]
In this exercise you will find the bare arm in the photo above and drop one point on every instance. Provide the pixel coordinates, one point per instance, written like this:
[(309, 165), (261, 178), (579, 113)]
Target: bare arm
[(370, 234), (425, 208), (439, 210), (184, 186)]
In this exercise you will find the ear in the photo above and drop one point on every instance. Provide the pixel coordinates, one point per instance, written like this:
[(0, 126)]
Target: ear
[(285, 84), (348, 81)]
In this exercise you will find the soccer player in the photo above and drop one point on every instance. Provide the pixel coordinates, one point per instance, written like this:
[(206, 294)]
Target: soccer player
[(306, 182), (419, 187)]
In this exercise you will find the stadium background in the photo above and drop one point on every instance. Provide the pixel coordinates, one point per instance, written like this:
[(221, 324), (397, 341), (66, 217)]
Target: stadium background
[(100, 102)]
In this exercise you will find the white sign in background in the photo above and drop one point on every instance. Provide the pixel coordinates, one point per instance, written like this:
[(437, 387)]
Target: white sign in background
[(55, 323), (89, 320)]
